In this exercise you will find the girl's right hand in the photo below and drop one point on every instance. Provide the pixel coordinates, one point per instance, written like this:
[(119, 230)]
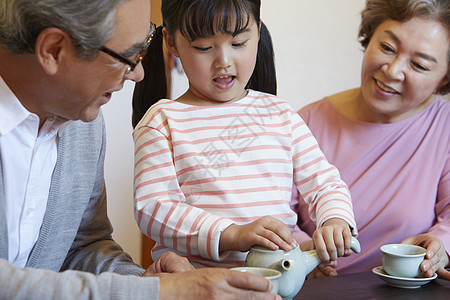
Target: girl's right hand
[(321, 271), (266, 231)]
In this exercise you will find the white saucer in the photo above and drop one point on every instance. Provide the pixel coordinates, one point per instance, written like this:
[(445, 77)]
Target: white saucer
[(402, 282)]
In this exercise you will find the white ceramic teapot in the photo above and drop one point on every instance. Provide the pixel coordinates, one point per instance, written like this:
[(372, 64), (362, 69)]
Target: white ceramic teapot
[(293, 265)]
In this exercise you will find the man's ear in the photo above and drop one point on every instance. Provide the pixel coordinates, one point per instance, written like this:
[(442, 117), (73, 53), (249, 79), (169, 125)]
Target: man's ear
[(170, 43), (52, 45)]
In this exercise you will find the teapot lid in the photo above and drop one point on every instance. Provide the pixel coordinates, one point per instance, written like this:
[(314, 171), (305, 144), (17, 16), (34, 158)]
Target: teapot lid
[(262, 248)]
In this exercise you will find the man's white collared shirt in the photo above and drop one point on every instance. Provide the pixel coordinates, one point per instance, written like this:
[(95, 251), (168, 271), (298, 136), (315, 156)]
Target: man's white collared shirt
[(28, 158)]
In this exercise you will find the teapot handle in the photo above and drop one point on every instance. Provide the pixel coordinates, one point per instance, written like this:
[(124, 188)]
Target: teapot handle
[(355, 246)]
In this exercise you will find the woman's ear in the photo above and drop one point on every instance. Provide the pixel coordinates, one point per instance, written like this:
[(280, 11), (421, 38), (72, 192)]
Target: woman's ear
[(51, 46), (444, 82), (170, 42)]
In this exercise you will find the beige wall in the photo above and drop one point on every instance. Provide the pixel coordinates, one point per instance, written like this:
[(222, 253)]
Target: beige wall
[(316, 54), (315, 45), (155, 15)]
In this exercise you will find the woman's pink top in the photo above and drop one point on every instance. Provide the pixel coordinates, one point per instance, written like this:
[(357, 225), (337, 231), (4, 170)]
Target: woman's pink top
[(398, 175)]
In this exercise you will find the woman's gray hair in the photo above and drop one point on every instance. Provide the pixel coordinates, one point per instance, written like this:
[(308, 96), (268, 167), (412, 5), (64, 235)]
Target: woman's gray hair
[(90, 23), (378, 11)]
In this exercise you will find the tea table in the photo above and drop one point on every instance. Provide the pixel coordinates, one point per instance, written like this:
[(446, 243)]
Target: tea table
[(367, 285)]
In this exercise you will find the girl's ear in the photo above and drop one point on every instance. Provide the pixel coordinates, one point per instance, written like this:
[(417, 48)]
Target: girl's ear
[(170, 42), (51, 46)]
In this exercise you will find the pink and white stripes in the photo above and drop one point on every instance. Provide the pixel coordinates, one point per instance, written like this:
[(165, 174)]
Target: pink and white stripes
[(199, 169)]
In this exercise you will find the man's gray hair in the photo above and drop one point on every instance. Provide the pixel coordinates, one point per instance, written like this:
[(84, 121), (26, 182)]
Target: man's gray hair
[(90, 23)]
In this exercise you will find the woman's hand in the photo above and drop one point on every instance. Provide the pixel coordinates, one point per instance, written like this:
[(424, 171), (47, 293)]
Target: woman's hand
[(169, 262), (322, 271), (436, 259), (266, 231), (443, 274)]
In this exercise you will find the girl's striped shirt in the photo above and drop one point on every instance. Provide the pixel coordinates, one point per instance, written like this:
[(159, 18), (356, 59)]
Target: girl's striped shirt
[(199, 169)]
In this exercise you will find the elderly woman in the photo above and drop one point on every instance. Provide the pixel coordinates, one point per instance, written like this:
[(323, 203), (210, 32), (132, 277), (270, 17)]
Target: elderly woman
[(390, 138)]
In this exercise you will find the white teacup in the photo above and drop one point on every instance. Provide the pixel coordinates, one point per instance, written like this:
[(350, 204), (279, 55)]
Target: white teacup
[(402, 260), (271, 274)]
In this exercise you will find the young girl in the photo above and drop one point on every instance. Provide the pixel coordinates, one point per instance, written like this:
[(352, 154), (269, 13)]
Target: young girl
[(214, 168)]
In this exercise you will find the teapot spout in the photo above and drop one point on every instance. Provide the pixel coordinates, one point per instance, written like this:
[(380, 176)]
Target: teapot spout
[(283, 265), (286, 264), (288, 281)]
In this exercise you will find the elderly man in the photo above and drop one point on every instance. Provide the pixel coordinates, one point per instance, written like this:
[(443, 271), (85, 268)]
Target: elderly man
[(60, 61)]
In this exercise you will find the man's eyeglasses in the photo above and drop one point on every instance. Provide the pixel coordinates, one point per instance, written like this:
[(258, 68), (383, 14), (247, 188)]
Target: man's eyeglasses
[(132, 63)]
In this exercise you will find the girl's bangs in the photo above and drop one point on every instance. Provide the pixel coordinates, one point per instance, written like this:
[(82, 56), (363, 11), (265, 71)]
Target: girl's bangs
[(206, 18)]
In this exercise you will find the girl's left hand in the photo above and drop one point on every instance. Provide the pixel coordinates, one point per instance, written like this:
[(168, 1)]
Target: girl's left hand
[(436, 259), (332, 240)]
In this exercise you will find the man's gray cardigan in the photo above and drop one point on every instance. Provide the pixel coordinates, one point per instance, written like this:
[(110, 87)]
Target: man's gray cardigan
[(76, 233)]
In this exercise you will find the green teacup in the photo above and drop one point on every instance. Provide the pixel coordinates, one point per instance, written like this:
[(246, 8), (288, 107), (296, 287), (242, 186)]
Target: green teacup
[(271, 274), (402, 260)]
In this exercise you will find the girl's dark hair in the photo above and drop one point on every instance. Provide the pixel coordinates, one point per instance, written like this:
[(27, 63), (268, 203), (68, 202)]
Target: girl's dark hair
[(198, 19), (264, 77), (153, 86)]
